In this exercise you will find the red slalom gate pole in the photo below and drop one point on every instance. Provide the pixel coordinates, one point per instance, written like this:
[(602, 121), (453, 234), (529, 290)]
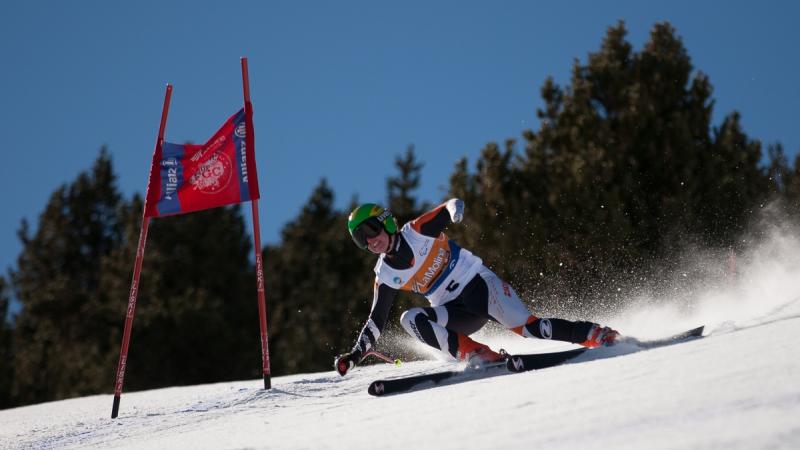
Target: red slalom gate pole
[(137, 270), (262, 306)]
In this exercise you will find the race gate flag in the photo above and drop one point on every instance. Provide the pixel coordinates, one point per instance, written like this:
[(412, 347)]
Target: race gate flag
[(186, 178)]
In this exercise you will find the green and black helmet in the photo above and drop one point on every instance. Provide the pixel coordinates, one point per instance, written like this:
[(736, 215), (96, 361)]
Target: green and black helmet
[(367, 221)]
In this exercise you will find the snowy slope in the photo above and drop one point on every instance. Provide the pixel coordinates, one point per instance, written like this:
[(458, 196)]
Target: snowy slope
[(738, 387)]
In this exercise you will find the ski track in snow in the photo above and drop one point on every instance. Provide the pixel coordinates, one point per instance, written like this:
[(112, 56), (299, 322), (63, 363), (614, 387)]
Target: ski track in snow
[(735, 388)]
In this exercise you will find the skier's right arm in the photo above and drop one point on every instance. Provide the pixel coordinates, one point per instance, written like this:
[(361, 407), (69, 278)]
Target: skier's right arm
[(383, 297), (436, 220)]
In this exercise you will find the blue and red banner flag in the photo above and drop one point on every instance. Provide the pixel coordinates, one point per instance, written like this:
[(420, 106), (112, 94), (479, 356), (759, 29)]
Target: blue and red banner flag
[(187, 177)]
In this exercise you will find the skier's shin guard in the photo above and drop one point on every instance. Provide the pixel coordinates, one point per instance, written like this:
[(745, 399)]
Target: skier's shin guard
[(555, 329)]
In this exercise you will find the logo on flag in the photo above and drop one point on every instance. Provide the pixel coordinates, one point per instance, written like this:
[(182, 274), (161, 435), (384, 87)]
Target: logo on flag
[(212, 176)]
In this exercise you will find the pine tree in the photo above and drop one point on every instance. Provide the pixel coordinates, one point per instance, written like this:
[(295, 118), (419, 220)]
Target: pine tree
[(60, 334), (399, 188)]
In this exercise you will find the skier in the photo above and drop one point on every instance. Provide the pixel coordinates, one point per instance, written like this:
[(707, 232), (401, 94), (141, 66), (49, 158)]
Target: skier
[(463, 293)]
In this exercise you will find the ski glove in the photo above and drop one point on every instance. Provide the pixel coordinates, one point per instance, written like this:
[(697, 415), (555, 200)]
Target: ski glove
[(455, 207), (345, 362)]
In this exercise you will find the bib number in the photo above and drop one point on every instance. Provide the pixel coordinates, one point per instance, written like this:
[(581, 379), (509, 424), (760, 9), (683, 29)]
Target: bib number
[(452, 286)]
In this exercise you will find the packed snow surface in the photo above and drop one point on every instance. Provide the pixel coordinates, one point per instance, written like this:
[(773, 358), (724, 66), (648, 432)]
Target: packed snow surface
[(738, 387)]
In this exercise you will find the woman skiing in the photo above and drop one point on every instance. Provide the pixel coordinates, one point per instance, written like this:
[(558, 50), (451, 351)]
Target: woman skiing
[(464, 295)]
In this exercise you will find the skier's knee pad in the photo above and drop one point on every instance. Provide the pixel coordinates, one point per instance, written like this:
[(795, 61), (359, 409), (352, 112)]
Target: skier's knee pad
[(421, 324), (410, 317)]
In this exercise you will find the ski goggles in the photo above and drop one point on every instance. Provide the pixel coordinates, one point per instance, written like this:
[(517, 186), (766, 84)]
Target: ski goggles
[(367, 229)]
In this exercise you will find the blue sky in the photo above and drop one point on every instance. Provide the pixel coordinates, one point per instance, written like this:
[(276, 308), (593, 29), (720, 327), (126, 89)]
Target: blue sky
[(339, 88)]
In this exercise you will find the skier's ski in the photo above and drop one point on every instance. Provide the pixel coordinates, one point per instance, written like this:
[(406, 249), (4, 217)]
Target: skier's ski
[(397, 385), (514, 363), (535, 361), (528, 362), (675, 338)]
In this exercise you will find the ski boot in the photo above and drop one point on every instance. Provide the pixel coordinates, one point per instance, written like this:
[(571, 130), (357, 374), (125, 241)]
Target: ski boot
[(600, 337), (477, 354)]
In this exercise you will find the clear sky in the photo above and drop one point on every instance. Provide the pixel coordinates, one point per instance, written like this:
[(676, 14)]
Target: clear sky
[(339, 88)]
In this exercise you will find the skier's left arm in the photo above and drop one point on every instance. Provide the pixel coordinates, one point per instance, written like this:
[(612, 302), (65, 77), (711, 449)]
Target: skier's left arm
[(433, 222), (382, 300)]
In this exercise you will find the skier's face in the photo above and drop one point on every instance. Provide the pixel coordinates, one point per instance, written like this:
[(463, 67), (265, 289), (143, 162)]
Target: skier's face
[(378, 244)]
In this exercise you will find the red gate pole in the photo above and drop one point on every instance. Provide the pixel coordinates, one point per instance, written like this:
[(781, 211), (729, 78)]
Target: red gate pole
[(262, 307), (137, 270)]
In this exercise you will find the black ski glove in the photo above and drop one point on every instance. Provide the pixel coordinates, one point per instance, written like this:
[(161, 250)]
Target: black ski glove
[(346, 361)]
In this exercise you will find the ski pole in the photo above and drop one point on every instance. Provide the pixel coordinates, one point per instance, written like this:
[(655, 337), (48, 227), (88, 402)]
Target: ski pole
[(382, 357)]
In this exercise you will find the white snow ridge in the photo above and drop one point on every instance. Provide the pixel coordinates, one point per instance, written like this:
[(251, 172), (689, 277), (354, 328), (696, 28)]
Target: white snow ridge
[(738, 387)]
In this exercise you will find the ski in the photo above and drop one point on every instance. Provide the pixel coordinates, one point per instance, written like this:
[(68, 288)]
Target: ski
[(675, 338), (514, 363), (536, 361), (405, 384)]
